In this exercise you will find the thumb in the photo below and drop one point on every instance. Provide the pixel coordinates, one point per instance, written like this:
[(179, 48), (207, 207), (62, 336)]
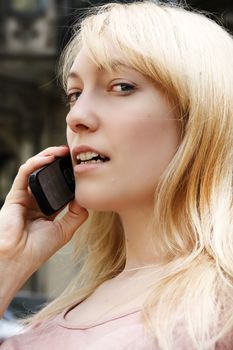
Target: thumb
[(70, 221)]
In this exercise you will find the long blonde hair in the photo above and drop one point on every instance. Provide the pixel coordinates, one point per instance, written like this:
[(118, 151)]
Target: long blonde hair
[(190, 57)]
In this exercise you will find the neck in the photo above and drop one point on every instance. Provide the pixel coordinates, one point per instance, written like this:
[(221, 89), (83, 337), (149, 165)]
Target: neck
[(140, 249)]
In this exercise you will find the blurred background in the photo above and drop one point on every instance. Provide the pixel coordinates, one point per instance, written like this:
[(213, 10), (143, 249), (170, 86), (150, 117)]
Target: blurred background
[(32, 114)]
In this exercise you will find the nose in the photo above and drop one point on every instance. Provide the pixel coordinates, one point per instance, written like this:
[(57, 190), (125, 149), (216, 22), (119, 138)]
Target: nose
[(82, 117)]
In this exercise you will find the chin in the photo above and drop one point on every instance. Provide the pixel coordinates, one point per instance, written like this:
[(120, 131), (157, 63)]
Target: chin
[(94, 201), (103, 198)]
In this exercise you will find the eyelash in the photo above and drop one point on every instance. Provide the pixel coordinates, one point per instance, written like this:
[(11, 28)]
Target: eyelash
[(132, 87), (70, 101), (69, 97)]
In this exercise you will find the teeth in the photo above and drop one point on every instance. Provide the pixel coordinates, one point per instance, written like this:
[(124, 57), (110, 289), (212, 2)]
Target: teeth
[(86, 156), (92, 161)]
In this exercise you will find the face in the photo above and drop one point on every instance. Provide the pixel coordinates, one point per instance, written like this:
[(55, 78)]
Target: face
[(122, 134)]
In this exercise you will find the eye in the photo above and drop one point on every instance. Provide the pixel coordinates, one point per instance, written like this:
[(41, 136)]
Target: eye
[(72, 97), (123, 88)]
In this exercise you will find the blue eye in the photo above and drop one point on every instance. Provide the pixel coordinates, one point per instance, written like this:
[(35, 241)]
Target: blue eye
[(123, 87)]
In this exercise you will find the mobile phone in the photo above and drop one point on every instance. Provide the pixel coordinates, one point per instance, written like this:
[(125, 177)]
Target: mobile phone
[(53, 185)]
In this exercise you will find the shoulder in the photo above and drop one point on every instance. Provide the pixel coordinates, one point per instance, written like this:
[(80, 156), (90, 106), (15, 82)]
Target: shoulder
[(32, 337)]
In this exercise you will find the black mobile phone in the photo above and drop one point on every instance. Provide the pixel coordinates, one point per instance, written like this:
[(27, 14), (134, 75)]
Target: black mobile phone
[(53, 185)]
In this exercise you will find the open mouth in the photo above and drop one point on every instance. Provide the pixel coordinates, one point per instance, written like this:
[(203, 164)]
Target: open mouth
[(91, 158)]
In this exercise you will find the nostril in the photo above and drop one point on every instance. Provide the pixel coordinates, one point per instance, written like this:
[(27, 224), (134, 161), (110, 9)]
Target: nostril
[(81, 127), (77, 127)]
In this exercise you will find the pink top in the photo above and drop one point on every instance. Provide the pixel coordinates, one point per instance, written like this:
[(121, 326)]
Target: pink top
[(124, 332)]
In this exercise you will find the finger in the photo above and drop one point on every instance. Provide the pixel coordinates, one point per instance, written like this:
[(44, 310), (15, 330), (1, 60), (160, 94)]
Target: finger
[(32, 164), (70, 222), (57, 151)]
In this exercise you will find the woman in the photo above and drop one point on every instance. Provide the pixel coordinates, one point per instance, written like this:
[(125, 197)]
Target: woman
[(150, 93)]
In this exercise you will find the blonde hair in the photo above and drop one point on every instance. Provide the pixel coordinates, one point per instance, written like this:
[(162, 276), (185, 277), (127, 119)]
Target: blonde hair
[(190, 57)]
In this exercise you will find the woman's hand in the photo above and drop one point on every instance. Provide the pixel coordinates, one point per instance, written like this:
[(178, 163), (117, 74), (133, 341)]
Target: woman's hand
[(28, 237)]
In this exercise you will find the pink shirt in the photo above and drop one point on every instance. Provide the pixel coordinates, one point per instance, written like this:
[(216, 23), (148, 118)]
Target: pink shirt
[(124, 332)]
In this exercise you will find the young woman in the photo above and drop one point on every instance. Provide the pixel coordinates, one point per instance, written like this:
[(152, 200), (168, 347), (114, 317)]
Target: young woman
[(150, 94)]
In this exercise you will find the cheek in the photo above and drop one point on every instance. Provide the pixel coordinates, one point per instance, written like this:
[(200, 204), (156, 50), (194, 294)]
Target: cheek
[(149, 128), (151, 147), (69, 137), (152, 141)]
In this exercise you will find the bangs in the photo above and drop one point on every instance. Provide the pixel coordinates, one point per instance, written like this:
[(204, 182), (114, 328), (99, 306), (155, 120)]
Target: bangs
[(110, 54), (113, 37)]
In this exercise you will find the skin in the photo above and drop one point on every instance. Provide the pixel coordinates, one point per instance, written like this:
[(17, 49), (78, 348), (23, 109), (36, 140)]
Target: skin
[(126, 117), (28, 238), (136, 127)]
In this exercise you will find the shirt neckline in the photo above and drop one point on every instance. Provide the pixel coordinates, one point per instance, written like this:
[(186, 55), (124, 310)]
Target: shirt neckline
[(66, 324)]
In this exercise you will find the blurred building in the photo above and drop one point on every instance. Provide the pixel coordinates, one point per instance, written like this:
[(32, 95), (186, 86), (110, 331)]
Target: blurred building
[(32, 116)]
